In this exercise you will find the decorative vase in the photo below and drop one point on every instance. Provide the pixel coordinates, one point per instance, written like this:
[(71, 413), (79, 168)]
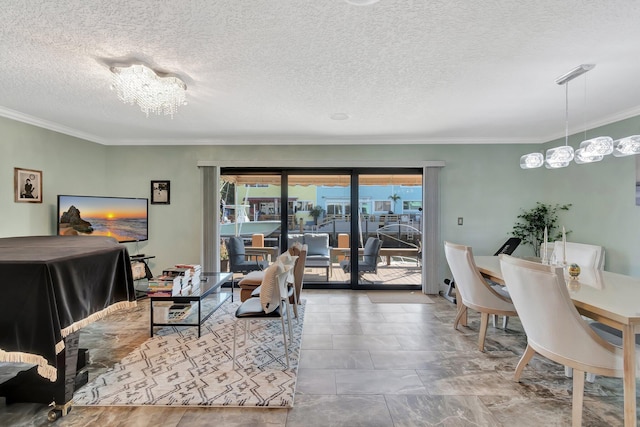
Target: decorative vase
[(574, 271), (224, 265)]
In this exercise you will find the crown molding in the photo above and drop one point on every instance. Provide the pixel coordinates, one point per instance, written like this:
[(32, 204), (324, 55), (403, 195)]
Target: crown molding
[(45, 124)]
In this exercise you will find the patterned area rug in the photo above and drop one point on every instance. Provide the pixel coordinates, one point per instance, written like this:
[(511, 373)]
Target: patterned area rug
[(177, 368)]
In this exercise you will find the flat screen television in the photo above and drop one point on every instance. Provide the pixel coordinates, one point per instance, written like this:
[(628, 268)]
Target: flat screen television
[(124, 218)]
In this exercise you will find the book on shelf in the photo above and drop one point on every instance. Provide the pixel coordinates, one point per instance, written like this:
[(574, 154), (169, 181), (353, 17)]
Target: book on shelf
[(156, 293), (183, 273), (195, 269), (165, 283), (185, 290), (177, 271), (164, 280), (178, 311)]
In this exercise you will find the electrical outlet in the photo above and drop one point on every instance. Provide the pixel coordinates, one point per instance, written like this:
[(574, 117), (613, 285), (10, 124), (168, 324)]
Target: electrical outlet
[(459, 220)]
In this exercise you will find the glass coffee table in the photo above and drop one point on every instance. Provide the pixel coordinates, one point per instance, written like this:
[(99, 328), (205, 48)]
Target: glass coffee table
[(191, 307)]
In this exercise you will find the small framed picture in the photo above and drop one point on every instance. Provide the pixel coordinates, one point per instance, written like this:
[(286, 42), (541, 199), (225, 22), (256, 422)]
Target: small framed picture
[(160, 192), (27, 185)]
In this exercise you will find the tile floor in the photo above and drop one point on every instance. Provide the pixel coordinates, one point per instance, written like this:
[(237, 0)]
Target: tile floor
[(365, 364)]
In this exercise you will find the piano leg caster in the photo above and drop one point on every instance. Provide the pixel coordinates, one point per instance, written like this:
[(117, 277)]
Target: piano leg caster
[(59, 411)]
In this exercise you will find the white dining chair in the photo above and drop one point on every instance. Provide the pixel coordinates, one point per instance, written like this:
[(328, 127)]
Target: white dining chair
[(296, 279), (473, 290), (545, 254), (269, 306), (585, 255), (554, 327)]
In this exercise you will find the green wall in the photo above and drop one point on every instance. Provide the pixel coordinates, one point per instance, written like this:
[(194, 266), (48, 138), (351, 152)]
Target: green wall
[(481, 183), (69, 166), (603, 198)]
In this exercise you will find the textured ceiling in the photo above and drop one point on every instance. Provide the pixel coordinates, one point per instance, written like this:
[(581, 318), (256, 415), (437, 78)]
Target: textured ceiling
[(259, 71)]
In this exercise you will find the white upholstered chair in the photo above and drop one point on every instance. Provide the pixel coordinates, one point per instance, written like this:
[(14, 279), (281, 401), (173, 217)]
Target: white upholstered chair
[(586, 256), (473, 290), (554, 327)]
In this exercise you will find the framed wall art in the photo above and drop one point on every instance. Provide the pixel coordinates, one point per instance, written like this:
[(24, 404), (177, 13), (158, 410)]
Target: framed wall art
[(160, 192), (27, 185)]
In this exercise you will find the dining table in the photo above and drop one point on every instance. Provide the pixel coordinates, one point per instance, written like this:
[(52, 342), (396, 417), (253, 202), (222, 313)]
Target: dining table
[(610, 298)]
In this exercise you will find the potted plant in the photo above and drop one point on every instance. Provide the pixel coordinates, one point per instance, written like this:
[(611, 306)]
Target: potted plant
[(224, 257), (531, 224)]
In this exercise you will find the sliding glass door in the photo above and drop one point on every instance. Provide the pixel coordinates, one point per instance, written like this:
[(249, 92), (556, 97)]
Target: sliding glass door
[(335, 212), (323, 222), (390, 213)]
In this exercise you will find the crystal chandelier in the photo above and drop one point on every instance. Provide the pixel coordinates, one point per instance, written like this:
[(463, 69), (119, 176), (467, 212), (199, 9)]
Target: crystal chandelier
[(594, 150), (560, 157), (531, 161), (139, 84), (591, 150), (627, 146)]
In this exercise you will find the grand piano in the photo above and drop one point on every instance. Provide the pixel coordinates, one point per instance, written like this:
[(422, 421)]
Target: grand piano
[(52, 286)]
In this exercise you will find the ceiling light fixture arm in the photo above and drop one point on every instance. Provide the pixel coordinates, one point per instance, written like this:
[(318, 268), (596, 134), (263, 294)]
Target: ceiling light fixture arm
[(566, 113), (578, 71)]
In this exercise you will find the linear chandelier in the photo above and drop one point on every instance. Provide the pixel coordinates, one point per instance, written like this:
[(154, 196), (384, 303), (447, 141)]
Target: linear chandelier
[(139, 84), (591, 150)]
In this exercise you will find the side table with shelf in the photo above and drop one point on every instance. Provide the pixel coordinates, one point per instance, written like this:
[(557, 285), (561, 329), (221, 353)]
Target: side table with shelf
[(199, 303), (143, 259)]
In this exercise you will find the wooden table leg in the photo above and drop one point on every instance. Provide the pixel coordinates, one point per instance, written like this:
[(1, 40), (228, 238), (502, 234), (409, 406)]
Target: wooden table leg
[(629, 380), (459, 306)]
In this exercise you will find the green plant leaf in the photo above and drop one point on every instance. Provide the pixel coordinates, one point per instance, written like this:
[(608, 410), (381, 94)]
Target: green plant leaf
[(531, 224)]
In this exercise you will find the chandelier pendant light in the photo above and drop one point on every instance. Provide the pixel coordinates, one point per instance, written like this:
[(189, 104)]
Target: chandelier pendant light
[(594, 150), (139, 84), (590, 150), (600, 146), (560, 157), (531, 161), (582, 156), (626, 146)]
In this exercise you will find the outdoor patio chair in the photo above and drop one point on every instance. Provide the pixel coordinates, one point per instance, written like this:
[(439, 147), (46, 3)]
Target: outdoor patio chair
[(369, 261), (238, 262)]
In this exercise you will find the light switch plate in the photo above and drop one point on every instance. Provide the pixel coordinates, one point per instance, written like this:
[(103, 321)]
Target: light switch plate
[(459, 220)]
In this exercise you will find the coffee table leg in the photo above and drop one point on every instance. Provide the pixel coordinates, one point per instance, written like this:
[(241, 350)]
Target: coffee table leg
[(200, 315)]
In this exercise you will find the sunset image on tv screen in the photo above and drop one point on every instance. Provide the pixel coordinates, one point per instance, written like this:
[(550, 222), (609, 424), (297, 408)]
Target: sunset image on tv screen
[(124, 219)]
